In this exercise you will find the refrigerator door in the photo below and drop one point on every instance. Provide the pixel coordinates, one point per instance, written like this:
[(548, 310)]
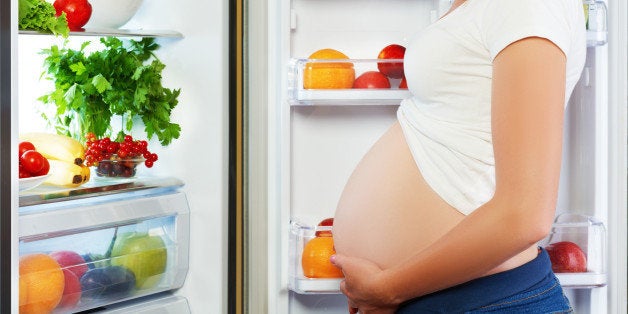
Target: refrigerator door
[(316, 137)]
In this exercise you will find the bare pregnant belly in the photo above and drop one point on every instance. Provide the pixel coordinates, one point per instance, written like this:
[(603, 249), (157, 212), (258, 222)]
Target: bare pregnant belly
[(387, 212)]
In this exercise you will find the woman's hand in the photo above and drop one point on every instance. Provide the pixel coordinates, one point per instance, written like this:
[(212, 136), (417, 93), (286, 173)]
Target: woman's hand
[(364, 285)]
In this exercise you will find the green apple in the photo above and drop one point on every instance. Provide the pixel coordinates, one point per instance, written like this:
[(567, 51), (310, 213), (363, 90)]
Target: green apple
[(145, 255)]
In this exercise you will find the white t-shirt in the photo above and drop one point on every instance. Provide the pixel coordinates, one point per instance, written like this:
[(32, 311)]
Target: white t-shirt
[(448, 66)]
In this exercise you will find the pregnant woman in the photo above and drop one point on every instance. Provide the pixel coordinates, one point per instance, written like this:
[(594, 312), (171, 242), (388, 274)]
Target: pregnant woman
[(444, 213)]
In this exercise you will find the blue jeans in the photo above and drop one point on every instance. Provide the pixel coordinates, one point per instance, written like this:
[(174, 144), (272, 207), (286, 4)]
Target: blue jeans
[(529, 288)]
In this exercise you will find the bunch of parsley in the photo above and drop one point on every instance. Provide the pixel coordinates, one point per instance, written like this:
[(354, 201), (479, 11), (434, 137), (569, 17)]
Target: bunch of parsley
[(39, 15), (120, 80)]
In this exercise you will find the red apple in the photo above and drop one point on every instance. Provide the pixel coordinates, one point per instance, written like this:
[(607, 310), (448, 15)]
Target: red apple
[(71, 290), (325, 223), (371, 79), (71, 261), (567, 257), (392, 69), (403, 84), (77, 12)]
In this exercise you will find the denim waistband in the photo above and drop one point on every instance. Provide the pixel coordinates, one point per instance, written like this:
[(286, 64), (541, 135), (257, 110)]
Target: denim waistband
[(484, 290)]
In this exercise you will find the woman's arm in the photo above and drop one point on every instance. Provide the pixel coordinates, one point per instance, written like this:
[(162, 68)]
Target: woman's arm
[(527, 122)]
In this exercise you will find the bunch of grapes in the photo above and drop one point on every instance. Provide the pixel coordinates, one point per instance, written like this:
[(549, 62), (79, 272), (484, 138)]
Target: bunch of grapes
[(105, 149)]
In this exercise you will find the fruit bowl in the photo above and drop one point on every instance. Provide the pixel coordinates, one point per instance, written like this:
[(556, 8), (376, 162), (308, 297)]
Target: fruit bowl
[(32, 182), (112, 13), (116, 167)]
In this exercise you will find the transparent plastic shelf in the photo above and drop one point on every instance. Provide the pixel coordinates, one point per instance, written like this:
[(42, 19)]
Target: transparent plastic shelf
[(574, 234), (102, 32), (351, 96), (584, 231), (596, 38), (300, 234), (596, 15), (582, 280), (320, 286), (328, 82)]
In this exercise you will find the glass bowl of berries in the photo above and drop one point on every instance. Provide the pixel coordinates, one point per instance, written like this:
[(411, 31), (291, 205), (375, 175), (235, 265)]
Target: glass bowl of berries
[(117, 159), (117, 167)]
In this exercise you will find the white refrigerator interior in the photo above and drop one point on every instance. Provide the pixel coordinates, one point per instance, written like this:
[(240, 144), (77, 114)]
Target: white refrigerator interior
[(317, 137), (196, 61)]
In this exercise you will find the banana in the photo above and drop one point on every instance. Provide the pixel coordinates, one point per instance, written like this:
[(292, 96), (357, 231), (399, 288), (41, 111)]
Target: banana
[(55, 146), (67, 174)]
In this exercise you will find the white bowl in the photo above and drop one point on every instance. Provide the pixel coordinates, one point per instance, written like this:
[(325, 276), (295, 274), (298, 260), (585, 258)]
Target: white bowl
[(32, 182), (112, 13)]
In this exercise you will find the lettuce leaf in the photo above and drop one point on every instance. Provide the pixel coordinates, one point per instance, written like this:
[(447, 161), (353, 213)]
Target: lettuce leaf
[(39, 15)]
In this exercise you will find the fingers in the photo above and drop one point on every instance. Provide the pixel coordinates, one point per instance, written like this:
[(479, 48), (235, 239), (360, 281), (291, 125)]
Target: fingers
[(353, 309), (343, 287), (336, 259)]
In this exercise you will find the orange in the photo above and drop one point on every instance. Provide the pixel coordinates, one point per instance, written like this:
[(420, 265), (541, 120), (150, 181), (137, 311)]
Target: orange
[(328, 75), (41, 284), (315, 259)]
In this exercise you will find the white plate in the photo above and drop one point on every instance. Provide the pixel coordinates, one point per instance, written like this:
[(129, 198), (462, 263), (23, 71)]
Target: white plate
[(32, 182)]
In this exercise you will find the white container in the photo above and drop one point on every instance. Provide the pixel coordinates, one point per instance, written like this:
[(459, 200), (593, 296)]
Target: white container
[(112, 13)]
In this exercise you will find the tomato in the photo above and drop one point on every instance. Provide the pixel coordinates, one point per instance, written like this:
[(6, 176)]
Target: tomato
[(32, 161), (23, 173), (44, 170), (24, 146), (77, 12)]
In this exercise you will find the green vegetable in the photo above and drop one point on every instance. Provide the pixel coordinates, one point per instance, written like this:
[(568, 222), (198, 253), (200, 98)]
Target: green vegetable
[(120, 80), (39, 15)]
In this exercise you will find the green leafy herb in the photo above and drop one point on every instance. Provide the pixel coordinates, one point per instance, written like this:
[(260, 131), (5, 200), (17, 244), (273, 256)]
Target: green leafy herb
[(39, 15), (120, 80)]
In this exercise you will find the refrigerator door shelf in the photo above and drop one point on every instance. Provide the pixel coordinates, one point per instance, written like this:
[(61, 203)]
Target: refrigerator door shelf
[(580, 232), (582, 280), (350, 97), (300, 234), (390, 94), (596, 38), (316, 286), (597, 26), (577, 247)]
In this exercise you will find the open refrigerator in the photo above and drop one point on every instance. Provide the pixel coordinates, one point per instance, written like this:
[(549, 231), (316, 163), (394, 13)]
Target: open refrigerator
[(175, 213), (316, 137)]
